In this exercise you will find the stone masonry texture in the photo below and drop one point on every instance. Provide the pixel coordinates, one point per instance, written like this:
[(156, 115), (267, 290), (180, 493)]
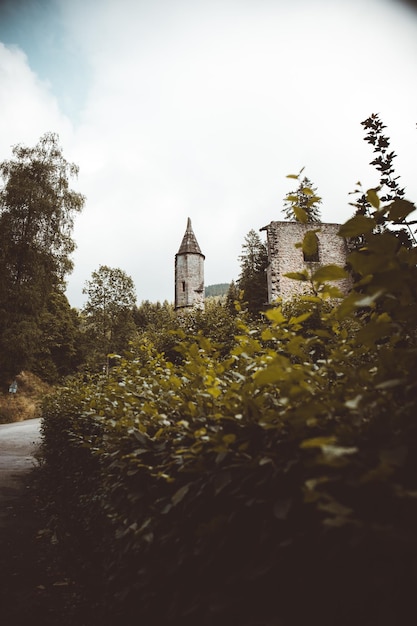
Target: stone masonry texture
[(285, 257)]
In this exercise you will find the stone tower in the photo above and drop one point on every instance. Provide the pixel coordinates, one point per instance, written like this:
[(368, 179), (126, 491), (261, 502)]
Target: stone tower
[(189, 272)]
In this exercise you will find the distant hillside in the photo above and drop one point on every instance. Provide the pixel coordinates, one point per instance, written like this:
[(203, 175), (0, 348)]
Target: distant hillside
[(216, 290)]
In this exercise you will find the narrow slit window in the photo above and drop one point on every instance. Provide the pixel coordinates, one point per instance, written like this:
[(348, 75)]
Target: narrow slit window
[(183, 285)]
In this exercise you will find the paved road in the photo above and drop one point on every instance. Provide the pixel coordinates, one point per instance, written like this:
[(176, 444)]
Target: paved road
[(28, 575), (18, 444)]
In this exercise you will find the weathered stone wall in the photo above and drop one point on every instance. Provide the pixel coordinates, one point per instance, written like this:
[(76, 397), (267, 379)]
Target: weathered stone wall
[(189, 280), (285, 257)]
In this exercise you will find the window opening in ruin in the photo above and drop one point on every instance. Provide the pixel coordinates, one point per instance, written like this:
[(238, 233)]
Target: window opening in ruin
[(183, 285), (311, 258)]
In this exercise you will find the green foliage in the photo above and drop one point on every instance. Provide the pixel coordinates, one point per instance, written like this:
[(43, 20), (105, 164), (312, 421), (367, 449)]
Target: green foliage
[(219, 289), (163, 328), (389, 191), (37, 209), (233, 297), (216, 486), (108, 313), (157, 316), (310, 246), (303, 203), (268, 475), (252, 278), (59, 350)]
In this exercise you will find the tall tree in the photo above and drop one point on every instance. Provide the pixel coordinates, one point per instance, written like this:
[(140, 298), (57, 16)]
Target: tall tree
[(303, 203), (108, 312), (60, 349), (252, 278), (232, 297), (37, 209), (155, 315)]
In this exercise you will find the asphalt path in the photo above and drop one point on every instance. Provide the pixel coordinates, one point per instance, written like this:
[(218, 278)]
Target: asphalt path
[(33, 589), (18, 445), (36, 586)]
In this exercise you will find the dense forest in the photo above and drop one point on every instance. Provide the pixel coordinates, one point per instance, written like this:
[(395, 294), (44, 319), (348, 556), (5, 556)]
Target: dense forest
[(245, 464), (219, 289)]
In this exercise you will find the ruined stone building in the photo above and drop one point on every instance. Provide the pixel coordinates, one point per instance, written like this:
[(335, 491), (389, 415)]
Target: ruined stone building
[(284, 256), (189, 272)]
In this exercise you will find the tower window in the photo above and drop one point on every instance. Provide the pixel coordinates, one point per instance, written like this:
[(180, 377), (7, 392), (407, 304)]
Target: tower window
[(183, 285)]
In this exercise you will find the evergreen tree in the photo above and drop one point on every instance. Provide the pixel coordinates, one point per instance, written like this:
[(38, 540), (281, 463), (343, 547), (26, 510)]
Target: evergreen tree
[(232, 296), (303, 203), (252, 279), (220, 289)]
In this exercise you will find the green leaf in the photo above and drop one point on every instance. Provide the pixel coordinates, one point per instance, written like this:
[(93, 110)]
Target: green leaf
[(388, 384), (372, 197), (317, 442), (293, 176), (300, 318), (180, 494), (331, 452), (354, 403), (275, 315), (328, 273), (337, 509), (143, 438), (313, 199), (373, 331), (265, 460), (215, 392), (310, 243), (297, 275), (300, 214), (272, 374), (358, 225), (385, 244), (399, 209), (368, 300)]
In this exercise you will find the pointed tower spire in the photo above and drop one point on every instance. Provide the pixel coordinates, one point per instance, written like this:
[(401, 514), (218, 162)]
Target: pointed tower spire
[(189, 272), (189, 242)]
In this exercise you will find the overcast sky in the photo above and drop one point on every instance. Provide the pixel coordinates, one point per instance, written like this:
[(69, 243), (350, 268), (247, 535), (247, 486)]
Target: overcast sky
[(200, 108)]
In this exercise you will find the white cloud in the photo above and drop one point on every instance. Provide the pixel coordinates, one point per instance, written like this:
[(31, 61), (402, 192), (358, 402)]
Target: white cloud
[(28, 108)]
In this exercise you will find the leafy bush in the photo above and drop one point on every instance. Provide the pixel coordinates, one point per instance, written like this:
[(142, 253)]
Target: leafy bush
[(272, 482)]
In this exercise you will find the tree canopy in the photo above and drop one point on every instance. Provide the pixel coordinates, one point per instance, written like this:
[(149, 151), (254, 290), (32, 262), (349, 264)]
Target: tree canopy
[(252, 278), (37, 210), (108, 312)]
